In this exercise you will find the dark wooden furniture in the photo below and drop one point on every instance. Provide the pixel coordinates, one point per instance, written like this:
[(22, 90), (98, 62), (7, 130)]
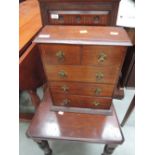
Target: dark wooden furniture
[(79, 12), (129, 111), (48, 125), (76, 58), (31, 73)]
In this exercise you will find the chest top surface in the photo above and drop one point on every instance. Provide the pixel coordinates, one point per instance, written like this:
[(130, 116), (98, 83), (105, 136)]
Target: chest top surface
[(83, 35)]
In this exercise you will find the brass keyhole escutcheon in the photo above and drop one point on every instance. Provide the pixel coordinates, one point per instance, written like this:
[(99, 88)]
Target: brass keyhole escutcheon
[(62, 74), (66, 102), (99, 76), (102, 57), (60, 55), (96, 103), (98, 91), (65, 88)]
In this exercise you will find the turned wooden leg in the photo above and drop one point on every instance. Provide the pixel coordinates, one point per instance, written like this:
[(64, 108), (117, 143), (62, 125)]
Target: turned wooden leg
[(109, 149), (43, 144)]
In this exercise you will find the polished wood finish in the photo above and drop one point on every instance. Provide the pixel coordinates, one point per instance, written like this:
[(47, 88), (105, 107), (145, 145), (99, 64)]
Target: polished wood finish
[(79, 18), (51, 57), (82, 73), (69, 12), (31, 74), (76, 88), (84, 55), (81, 101), (49, 125), (129, 111), (29, 21), (114, 55), (83, 35)]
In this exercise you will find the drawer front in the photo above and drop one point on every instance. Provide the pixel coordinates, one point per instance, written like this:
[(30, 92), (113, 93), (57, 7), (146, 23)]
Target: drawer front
[(103, 55), (82, 73), (60, 54), (81, 101), (74, 88), (79, 17)]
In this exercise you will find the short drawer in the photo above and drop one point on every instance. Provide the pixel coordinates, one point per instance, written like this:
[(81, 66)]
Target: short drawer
[(87, 89), (60, 54), (79, 17), (103, 55), (81, 101), (82, 73)]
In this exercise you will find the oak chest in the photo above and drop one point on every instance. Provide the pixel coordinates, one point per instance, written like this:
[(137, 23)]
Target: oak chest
[(82, 63)]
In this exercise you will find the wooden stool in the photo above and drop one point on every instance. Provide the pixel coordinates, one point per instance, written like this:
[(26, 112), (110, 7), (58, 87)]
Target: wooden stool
[(49, 125)]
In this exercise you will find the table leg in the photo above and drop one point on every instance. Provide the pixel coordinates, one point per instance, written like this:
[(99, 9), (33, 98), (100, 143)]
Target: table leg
[(129, 111), (109, 149), (43, 144)]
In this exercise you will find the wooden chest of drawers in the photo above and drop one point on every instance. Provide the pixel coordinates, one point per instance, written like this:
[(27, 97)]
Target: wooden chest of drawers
[(79, 12), (82, 63)]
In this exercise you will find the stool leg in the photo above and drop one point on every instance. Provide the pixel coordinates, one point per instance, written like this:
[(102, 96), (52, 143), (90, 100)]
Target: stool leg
[(43, 144), (109, 149)]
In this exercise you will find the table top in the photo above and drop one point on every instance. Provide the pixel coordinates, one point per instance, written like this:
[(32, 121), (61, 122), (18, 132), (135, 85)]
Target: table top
[(47, 124), (29, 21), (83, 35)]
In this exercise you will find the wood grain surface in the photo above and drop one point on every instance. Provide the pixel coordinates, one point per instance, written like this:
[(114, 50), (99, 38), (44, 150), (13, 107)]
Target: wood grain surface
[(74, 126), (83, 35), (29, 21)]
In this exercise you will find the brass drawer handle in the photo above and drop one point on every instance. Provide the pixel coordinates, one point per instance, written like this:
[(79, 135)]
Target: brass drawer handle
[(60, 55), (102, 57), (96, 103), (98, 91), (66, 101), (62, 74), (99, 76), (65, 88)]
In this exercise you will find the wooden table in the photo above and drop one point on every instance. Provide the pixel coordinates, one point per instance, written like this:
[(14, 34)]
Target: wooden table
[(49, 125)]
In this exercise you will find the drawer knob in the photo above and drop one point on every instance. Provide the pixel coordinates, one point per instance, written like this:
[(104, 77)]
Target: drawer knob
[(102, 57), (99, 76), (98, 91), (60, 55), (96, 103), (78, 19), (65, 88), (66, 102), (62, 74), (96, 19)]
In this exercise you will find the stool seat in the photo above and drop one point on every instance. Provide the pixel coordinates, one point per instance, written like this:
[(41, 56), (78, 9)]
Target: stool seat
[(49, 125)]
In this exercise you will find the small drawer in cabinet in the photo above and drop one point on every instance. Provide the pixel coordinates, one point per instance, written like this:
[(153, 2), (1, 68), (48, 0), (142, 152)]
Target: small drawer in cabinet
[(79, 17), (86, 89), (82, 73), (81, 101), (103, 55), (60, 54)]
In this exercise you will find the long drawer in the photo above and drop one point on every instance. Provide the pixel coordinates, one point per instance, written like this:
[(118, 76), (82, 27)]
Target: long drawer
[(82, 73), (79, 17), (81, 101), (87, 89)]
